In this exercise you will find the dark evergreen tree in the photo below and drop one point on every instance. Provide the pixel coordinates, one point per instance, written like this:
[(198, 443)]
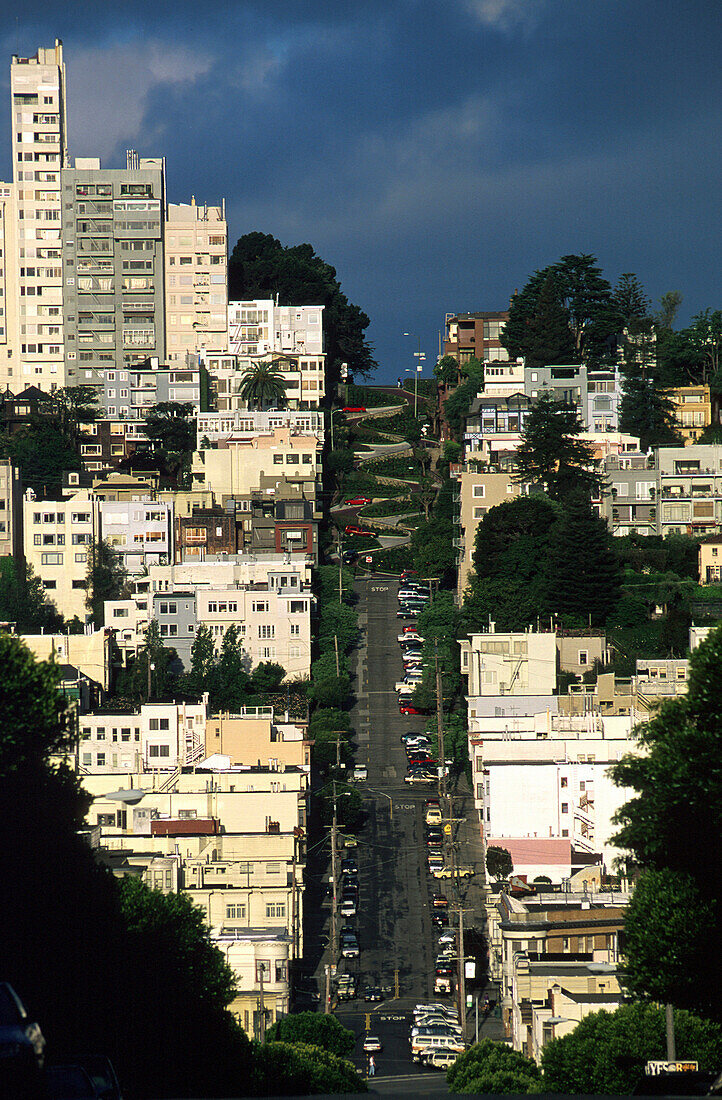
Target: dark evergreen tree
[(23, 600), (645, 411), (232, 675), (630, 299), (551, 457), (584, 567), (511, 565), (521, 310), (548, 336), (587, 296)]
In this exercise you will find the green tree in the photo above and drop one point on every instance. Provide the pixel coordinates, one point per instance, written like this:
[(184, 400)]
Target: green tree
[(584, 567), (489, 1067), (551, 456), (314, 1029), (548, 336), (672, 826), (593, 318), (36, 722), (499, 863), (232, 679), (136, 682), (457, 404), (511, 565), (267, 676), (261, 267), (263, 384), (75, 405), (607, 1051), (42, 452), (645, 411), (202, 675), (170, 425), (447, 370), (23, 600), (452, 451), (298, 1069), (106, 578), (630, 299), (521, 310), (669, 305), (704, 339)]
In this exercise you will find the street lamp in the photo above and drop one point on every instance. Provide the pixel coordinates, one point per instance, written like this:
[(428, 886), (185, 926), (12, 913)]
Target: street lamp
[(419, 356)]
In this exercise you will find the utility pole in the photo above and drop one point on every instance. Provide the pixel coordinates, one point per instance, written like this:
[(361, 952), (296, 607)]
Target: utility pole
[(262, 1011), (335, 646), (462, 975), (671, 1045), (440, 724)]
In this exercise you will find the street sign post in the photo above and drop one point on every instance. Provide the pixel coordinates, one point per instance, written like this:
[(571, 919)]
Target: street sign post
[(653, 1069)]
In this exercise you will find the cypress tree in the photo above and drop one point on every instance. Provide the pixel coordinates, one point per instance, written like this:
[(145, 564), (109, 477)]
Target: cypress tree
[(584, 567), (548, 336)]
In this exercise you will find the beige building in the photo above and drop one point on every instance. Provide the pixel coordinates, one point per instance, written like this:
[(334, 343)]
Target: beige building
[(196, 279), (250, 886), (11, 511), (57, 537), (91, 653), (234, 468), (477, 492), (33, 351), (692, 410), (159, 736), (257, 738), (520, 663)]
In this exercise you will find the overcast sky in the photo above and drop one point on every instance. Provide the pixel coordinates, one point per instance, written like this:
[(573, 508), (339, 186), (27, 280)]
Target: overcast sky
[(436, 153)]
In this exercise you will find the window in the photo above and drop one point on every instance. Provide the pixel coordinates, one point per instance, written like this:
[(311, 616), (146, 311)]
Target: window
[(267, 631), (281, 970), (565, 807), (275, 909), (583, 657), (295, 630), (236, 911), (159, 751), (564, 781), (261, 606), (273, 868), (479, 492), (263, 971)]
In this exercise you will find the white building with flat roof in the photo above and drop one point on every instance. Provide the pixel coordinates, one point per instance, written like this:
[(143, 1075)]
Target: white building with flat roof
[(196, 279), (260, 326)]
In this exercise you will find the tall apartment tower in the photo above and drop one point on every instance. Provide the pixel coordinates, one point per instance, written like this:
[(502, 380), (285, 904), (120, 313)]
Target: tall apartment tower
[(33, 349), (196, 280), (113, 265)]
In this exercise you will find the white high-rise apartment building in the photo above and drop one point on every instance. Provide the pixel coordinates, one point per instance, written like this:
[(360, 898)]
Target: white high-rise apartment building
[(255, 328), (34, 350), (196, 279)]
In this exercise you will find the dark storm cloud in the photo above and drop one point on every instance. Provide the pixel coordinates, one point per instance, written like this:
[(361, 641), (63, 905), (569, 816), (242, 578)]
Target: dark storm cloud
[(435, 153)]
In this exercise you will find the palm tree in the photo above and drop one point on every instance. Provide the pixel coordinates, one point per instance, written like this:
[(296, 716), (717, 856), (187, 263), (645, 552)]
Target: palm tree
[(263, 384)]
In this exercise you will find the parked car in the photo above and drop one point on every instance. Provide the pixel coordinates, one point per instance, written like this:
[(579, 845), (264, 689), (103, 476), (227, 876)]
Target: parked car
[(449, 872), (358, 502), (419, 777), (349, 866), (440, 901), (354, 408), (22, 1045), (349, 946), (353, 529), (407, 708), (349, 556), (372, 1044), (440, 920), (409, 634), (360, 772), (70, 1082), (373, 993)]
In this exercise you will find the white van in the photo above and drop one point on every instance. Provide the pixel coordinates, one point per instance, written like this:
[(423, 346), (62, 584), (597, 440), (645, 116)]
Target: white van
[(440, 1059), (428, 1044)]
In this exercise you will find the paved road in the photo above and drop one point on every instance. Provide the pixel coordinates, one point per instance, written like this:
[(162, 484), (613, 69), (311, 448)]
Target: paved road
[(394, 923)]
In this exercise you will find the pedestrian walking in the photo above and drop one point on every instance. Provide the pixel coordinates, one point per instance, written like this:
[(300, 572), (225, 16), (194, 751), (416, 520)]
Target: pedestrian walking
[(398, 383), (372, 1066)]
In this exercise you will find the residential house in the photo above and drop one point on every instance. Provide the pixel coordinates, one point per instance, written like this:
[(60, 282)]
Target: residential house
[(710, 559), (158, 736), (196, 278), (234, 469), (476, 336), (11, 511), (303, 375), (57, 535), (478, 490), (692, 409), (256, 737)]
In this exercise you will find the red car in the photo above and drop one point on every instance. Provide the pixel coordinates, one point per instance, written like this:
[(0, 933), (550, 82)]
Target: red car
[(351, 529), (406, 708), (408, 573), (358, 501), (355, 409)]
